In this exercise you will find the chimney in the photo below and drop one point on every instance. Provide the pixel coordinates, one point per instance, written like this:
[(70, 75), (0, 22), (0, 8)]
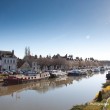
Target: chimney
[(12, 52)]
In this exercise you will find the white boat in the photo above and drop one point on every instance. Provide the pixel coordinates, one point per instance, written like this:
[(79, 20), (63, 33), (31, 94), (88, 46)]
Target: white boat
[(84, 71), (56, 73), (95, 70)]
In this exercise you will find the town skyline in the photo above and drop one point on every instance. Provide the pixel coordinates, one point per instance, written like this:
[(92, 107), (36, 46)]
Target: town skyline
[(79, 28)]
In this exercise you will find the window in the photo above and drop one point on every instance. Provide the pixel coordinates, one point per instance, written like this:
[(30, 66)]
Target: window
[(13, 61), (34, 64), (5, 61), (10, 61)]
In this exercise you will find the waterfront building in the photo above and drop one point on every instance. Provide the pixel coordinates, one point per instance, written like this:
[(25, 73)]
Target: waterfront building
[(24, 66), (8, 61), (29, 63), (35, 66)]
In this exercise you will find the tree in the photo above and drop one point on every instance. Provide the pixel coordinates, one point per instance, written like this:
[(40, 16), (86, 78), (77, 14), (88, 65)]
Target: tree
[(70, 57), (35, 56), (99, 98), (47, 57), (40, 56), (26, 51), (92, 59), (77, 58), (66, 56)]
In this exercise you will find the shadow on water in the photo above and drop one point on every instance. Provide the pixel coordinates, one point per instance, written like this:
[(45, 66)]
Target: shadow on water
[(41, 86)]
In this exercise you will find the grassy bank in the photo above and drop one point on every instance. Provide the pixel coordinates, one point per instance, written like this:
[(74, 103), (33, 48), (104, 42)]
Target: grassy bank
[(102, 100), (89, 106)]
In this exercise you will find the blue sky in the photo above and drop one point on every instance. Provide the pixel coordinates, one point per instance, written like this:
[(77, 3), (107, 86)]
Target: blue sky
[(48, 27)]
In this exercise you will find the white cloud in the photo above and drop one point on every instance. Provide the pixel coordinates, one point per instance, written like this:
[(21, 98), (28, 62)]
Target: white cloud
[(88, 37)]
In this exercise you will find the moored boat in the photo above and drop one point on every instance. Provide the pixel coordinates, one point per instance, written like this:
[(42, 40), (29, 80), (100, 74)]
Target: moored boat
[(102, 68), (84, 71), (74, 72), (108, 75), (56, 73), (95, 70), (19, 79)]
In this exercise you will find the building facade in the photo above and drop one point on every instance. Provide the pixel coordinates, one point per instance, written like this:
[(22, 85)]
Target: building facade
[(25, 66), (35, 66), (8, 61)]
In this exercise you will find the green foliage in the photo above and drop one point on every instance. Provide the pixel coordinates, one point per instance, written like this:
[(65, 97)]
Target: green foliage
[(106, 84), (108, 105), (78, 107), (106, 95), (95, 106)]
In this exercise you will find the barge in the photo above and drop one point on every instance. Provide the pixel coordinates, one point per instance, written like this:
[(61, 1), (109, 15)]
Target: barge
[(19, 79)]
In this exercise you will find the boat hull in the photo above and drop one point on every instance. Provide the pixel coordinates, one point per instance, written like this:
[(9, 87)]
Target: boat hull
[(73, 74), (12, 80)]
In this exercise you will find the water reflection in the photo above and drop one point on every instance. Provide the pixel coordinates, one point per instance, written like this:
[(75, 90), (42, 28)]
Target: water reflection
[(41, 86), (51, 94)]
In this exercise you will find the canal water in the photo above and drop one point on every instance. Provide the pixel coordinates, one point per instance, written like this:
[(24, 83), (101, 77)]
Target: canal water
[(52, 94)]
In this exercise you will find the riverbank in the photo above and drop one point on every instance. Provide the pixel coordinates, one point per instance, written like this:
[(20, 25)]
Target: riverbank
[(93, 106), (100, 102)]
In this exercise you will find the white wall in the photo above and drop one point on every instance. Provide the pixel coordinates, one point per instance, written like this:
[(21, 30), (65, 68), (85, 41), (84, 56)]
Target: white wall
[(35, 67), (9, 63)]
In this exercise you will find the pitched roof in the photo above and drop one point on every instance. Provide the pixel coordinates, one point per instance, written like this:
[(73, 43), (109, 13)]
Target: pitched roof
[(20, 62), (7, 54)]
